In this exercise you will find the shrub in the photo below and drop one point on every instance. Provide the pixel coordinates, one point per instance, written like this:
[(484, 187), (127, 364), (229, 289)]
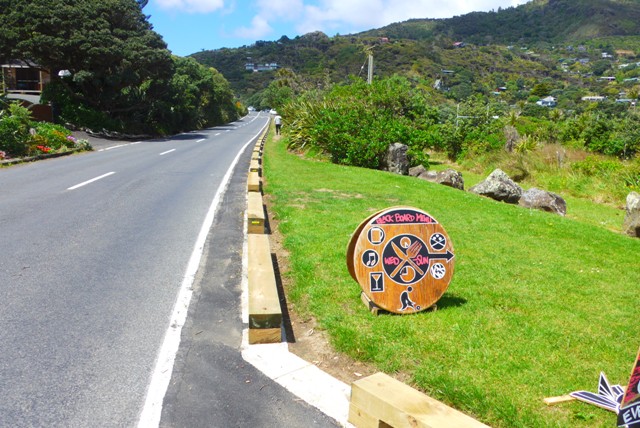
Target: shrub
[(593, 166), (20, 136), (355, 124), (15, 122), (51, 135)]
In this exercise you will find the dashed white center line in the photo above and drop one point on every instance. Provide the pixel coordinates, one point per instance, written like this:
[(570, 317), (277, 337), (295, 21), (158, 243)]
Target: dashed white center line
[(215, 135), (112, 147), (200, 140), (91, 181), (119, 145), (168, 151)]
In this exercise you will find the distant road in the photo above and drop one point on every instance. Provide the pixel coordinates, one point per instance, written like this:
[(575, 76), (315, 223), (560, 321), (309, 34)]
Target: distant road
[(93, 251)]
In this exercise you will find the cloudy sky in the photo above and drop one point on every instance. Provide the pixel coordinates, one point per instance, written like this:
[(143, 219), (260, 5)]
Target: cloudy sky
[(189, 26)]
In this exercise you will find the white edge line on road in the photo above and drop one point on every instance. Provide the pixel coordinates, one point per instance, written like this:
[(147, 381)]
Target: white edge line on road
[(84, 183), (168, 151), (161, 376)]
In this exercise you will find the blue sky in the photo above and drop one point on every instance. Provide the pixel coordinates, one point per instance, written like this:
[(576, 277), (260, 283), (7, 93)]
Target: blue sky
[(189, 26)]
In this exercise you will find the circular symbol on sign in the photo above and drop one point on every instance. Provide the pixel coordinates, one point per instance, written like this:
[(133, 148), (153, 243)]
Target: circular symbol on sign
[(405, 259), (438, 271), (408, 274), (438, 241), (370, 258), (376, 235)]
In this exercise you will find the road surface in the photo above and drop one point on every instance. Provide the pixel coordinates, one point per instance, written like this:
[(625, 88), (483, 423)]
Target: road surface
[(97, 250)]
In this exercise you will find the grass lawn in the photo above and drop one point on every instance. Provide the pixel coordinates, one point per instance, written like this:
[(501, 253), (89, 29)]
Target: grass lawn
[(538, 305)]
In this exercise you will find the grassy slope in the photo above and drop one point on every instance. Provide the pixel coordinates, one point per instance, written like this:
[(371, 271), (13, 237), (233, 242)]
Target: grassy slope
[(538, 305)]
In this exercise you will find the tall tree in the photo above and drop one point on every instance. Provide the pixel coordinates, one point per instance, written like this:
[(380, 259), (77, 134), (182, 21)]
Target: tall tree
[(108, 46)]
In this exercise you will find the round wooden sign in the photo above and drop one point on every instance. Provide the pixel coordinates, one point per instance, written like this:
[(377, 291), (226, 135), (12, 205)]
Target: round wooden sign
[(402, 258)]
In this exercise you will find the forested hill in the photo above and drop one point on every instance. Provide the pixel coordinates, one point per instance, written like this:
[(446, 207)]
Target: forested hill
[(539, 34), (554, 21)]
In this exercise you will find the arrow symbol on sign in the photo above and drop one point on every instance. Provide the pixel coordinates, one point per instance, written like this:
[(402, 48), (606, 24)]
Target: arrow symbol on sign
[(447, 256)]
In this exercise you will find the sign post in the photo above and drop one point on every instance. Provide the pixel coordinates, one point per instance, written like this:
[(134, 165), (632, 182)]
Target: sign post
[(629, 413), (402, 258)]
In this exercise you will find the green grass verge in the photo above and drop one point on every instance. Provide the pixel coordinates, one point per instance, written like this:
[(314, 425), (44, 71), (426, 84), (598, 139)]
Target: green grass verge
[(538, 305)]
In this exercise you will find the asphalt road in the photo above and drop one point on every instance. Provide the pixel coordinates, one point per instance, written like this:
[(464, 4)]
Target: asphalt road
[(95, 250)]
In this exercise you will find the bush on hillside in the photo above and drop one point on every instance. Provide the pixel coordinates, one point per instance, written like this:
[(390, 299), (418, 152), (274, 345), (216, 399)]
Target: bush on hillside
[(21, 136), (355, 124)]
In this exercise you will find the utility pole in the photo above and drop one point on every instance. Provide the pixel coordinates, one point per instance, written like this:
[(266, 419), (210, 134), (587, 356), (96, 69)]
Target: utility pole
[(370, 69)]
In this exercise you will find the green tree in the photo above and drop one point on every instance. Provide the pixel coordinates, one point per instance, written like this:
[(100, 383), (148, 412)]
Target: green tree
[(541, 90), (122, 75), (117, 62), (196, 97)]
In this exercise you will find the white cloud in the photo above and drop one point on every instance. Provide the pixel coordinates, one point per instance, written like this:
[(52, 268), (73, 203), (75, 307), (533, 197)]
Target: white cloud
[(360, 15), (284, 9), (259, 29), (191, 6)]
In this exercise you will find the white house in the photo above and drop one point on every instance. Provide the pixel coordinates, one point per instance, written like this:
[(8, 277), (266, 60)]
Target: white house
[(547, 102)]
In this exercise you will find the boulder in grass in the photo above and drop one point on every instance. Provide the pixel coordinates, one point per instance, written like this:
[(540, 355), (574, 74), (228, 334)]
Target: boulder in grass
[(500, 187), (422, 173), (542, 200), (396, 160), (631, 224), (450, 177)]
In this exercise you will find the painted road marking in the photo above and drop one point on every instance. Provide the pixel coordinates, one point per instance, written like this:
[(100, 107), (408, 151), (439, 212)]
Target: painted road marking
[(168, 151), (119, 145), (91, 181), (200, 140)]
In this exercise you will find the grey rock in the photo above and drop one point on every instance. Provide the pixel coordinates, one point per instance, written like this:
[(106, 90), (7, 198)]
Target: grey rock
[(417, 171), (422, 173), (396, 160), (450, 177), (542, 200), (500, 187), (631, 224)]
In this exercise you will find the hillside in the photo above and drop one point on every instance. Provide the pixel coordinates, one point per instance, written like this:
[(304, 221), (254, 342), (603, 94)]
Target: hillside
[(529, 42), (553, 21)]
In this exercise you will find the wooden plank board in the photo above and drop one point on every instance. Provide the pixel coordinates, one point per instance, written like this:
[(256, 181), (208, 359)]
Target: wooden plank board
[(265, 311), (362, 419), (395, 404), (255, 213), (550, 401), (253, 183), (264, 335), (254, 166)]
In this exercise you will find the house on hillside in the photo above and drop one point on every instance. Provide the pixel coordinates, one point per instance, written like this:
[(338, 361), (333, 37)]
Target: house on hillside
[(24, 80), (548, 102), (250, 66)]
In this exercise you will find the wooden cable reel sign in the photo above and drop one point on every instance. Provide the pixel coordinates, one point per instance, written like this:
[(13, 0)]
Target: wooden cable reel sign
[(402, 258)]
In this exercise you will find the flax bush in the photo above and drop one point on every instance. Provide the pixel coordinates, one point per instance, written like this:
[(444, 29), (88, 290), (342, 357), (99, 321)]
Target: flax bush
[(355, 124)]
